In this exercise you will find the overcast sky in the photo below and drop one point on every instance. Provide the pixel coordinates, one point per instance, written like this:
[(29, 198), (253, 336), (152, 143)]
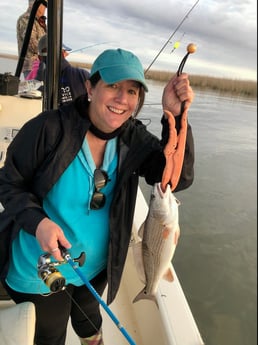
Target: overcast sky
[(224, 31)]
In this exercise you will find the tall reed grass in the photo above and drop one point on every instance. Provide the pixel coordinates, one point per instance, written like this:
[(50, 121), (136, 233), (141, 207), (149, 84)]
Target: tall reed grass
[(236, 87)]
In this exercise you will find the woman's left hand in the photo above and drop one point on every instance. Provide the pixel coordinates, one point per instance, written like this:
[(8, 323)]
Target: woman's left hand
[(176, 91)]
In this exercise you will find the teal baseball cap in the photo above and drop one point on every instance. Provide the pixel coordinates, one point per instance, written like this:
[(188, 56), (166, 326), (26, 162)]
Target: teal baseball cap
[(115, 65)]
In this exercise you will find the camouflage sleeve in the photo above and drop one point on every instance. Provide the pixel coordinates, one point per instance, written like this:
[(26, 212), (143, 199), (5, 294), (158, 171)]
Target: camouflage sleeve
[(36, 33), (21, 30)]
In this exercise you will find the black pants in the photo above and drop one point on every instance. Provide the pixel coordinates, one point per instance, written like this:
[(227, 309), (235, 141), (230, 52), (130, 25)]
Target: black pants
[(53, 311)]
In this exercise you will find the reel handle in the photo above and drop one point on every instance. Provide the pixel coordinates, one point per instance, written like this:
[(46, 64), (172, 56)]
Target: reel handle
[(64, 252)]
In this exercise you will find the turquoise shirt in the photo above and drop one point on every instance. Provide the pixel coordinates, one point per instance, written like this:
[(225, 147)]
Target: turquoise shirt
[(68, 204)]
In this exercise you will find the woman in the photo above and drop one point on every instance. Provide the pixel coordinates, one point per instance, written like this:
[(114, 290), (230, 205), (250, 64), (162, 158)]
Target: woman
[(70, 179)]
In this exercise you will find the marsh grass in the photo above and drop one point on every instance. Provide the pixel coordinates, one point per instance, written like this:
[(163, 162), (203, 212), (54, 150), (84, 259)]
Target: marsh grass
[(235, 87)]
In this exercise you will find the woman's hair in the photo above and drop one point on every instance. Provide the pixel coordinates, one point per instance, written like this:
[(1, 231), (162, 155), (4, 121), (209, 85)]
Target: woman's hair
[(95, 78)]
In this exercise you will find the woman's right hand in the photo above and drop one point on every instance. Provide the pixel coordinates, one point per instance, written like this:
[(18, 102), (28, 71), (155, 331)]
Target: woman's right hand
[(50, 236)]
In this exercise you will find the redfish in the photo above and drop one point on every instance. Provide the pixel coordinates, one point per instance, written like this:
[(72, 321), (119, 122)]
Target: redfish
[(159, 233)]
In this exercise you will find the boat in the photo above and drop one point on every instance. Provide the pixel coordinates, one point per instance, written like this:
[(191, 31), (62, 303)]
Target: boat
[(169, 323)]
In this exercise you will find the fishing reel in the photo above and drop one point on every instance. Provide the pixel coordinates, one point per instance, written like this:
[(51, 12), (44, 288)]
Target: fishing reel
[(48, 272)]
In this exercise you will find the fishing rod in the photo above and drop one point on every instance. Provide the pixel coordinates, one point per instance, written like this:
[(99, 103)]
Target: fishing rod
[(56, 282), (191, 48), (164, 46), (177, 44), (93, 45)]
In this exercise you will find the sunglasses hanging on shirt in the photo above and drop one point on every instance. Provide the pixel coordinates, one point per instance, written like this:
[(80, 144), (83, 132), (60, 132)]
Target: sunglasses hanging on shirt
[(100, 180)]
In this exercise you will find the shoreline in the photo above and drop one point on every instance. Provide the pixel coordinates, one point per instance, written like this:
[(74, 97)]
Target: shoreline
[(8, 56), (236, 87)]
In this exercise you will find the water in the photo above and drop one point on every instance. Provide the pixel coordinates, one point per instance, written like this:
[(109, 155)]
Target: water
[(216, 256), (217, 252), (8, 65)]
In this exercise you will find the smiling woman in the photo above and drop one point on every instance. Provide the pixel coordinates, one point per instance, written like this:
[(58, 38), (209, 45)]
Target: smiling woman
[(96, 153), (53, 182), (94, 148), (117, 79)]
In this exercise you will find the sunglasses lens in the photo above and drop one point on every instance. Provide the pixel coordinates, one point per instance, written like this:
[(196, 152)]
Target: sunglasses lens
[(97, 201), (100, 178)]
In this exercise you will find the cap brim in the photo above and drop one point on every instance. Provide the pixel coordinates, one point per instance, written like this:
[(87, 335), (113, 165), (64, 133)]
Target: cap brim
[(119, 73)]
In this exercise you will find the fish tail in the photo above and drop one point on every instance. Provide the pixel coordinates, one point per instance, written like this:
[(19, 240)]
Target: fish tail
[(144, 295)]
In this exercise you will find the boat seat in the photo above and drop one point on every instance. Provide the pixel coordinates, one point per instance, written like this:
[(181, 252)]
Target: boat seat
[(17, 323)]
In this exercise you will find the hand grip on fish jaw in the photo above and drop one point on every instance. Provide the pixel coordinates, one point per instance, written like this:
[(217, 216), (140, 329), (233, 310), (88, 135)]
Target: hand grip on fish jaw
[(175, 147), (191, 48)]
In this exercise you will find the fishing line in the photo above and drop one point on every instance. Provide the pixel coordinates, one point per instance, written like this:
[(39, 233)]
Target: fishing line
[(56, 282), (90, 46), (69, 260), (74, 301), (81, 310), (179, 25)]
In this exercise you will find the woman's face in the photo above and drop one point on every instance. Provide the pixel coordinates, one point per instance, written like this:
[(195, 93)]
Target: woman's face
[(112, 104)]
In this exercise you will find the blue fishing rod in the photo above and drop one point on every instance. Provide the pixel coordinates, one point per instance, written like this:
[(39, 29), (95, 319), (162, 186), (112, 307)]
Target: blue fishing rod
[(70, 261), (55, 281)]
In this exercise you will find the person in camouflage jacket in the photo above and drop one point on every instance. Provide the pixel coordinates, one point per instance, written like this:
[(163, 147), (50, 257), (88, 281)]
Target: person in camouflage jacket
[(38, 30)]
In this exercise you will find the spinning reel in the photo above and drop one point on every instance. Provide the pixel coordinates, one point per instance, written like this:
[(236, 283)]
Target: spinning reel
[(50, 275)]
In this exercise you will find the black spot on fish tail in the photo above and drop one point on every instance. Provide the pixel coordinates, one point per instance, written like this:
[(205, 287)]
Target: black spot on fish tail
[(144, 295)]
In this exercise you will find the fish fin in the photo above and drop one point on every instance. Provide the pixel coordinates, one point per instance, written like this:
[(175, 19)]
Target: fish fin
[(143, 295), (177, 235), (138, 261), (141, 230), (168, 275)]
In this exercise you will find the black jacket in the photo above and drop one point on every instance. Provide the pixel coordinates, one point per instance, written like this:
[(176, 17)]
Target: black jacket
[(47, 144), (72, 81)]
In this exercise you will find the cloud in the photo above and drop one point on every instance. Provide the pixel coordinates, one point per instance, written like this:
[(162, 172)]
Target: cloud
[(224, 32)]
